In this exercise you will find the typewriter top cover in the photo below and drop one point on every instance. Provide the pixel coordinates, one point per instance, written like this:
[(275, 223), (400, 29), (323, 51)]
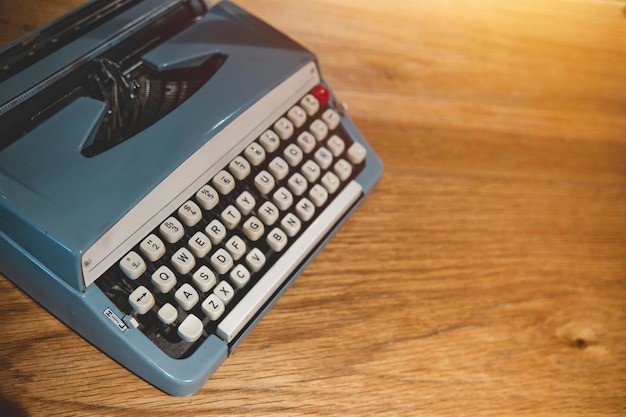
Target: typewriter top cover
[(110, 117)]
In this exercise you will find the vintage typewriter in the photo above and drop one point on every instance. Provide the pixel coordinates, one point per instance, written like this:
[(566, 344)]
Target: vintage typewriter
[(167, 169)]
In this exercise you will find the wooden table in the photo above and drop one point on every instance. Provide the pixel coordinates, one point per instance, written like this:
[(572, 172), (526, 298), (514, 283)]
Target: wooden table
[(486, 273)]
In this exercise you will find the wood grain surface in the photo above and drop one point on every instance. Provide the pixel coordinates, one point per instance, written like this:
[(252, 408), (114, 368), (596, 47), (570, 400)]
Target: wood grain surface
[(485, 276)]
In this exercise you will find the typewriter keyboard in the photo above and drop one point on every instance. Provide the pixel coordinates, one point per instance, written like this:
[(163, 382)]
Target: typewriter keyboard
[(218, 259)]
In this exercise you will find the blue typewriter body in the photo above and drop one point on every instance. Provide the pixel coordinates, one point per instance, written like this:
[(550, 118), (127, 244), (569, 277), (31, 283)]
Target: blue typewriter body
[(69, 214)]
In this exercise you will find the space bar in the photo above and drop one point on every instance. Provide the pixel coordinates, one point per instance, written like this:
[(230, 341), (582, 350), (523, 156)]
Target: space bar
[(258, 295)]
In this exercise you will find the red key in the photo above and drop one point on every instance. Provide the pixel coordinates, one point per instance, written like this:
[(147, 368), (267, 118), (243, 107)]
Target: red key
[(321, 94)]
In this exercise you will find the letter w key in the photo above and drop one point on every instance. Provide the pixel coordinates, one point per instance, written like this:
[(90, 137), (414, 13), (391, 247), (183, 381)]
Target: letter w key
[(183, 260)]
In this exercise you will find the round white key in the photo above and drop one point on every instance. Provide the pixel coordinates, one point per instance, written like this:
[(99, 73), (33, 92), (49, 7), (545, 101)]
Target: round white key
[(331, 182), (336, 145), (343, 169), (172, 230), (356, 153), (224, 291), (190, 329), (236, 247), (239, 276), (318, 194), (255, 153), (163, 279), (231, 217), (213, 307), (284, 128), (319, 129), (291, 224), (183, 260), (221, 261), (323, 157), (255, 259), (224, 182), (132, 265), (311, 171), (331, 118), (253, 228), (264, 182), (245, 202), (310, 104), (186, 296), (297, 116), (152, 247), (277, 239), (141, 300), (199, 244), (293, 154), (305, 209), (297, 184), (282, 198), (167, 313), (279, 168), (306, 141), (207, 197), (216, 231), (269, 140), (268, 213), (239, 167), (190, 213), (204, 279)]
